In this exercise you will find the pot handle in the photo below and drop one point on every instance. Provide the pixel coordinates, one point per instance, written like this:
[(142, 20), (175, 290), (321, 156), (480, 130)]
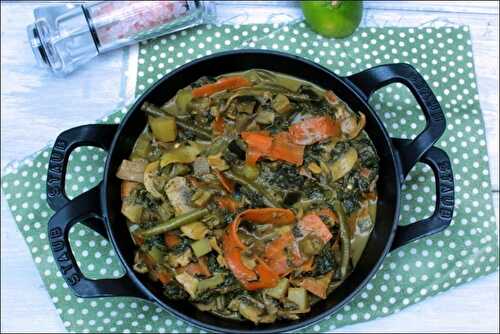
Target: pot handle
[(370, 80), (440, 164), (97, 135), (84, 206)]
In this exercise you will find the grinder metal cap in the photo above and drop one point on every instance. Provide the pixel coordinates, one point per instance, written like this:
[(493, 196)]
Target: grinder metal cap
[(60, 38), (37, 47)]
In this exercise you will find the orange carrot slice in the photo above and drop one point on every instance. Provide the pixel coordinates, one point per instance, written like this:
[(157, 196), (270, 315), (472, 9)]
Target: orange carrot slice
[(226, 83), (138, 239), (253, 156), (228, 203), (312, 224), (275, 216), (226, 183), (218, 125), (164, 277), (232, 255), (148, 260), (313, 130), (308, 265), (127, 187), (199, 268), (258, 144), (267, 277), (317, 286), (284, 149), (171, 239), (259, 139), (275, 255)]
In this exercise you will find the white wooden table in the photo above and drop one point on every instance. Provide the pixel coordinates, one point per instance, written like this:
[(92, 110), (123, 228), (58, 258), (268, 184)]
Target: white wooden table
[(36, 107)]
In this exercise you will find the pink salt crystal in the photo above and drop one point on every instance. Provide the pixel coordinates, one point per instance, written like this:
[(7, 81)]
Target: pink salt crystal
[(135, 17)]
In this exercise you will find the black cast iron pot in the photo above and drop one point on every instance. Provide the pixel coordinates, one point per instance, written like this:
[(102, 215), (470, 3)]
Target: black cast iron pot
[(99, 208)]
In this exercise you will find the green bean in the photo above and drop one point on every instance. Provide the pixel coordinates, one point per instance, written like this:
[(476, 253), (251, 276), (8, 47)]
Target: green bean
[(230, 315), (172, 224), (298, 97), (258, 95), (344, 238), (266, 197), (218, 145), (155, 111)]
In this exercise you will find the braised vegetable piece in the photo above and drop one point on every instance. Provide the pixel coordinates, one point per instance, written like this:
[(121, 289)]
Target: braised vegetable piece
[(279, 290), (343, 164), (317, 286), (201, 247), (163, 128), (126, 188), (210, 283), (310, 245), (195, 231), (250, 172), (265, 117), (201, 197), (182, 100), (133, 212), (299, 297), (189, 283), (217, 162), (142, 146), (179, 194), (281, 104), (250, 312), (184, 154), (152, 178), (251, 194), (131, 171)]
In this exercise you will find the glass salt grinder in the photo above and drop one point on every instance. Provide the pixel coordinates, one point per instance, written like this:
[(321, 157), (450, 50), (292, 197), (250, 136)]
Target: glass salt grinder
[(65, 37)]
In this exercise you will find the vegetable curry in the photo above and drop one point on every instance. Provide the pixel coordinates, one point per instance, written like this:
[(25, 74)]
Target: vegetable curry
[(252, 194)]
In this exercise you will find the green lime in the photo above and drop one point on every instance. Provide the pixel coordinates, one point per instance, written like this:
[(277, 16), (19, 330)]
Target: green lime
[(333, 18)]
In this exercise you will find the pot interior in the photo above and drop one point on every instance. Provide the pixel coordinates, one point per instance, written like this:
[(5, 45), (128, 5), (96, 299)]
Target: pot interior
[(388, 184)]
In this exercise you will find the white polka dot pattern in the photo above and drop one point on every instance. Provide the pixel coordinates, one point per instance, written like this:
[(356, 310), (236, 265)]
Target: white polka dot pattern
[(466, 250)]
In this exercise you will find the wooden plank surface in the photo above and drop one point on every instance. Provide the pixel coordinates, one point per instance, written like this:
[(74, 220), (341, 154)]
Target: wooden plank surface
[(36, 107)]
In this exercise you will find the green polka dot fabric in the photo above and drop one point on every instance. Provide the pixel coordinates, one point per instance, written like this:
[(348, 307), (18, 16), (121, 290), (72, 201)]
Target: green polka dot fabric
[(466, 250)]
